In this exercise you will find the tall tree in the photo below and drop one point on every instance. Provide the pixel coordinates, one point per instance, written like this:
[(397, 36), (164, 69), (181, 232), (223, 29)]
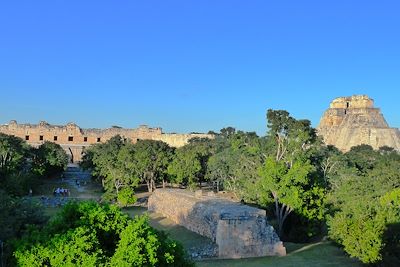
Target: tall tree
[(284, 186), (292, 138), (112, 162), (49, 158), (286, 176), (151, 161), (186, 167), (235, 161), (13, 153)]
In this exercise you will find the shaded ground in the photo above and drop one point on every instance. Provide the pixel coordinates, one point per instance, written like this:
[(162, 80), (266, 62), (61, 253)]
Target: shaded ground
[(317, 254)]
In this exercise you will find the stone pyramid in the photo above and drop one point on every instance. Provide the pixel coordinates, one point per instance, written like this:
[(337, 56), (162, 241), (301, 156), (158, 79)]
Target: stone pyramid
[(352, 121)]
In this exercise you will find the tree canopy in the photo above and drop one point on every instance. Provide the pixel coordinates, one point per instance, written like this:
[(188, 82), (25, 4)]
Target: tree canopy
[(89, 234)]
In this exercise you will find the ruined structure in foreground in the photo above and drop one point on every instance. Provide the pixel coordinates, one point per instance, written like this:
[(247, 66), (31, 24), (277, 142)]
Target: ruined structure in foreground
[(352, 121), (74, 139), (239, 231)]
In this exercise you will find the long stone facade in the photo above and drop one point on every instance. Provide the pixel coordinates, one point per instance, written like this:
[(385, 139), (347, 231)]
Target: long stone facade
[(239, 231), (74, 139), (352, 121)]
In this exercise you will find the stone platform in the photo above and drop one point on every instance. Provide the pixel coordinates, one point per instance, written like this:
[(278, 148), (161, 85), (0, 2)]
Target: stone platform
[(239, 231)]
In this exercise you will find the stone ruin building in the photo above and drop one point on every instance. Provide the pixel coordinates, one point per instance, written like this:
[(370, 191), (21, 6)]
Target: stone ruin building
[(74, 139), (352, 121), (239, 231)]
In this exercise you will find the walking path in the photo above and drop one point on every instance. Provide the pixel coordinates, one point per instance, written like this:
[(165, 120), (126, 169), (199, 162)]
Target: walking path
[(76, 180), (76, 177)]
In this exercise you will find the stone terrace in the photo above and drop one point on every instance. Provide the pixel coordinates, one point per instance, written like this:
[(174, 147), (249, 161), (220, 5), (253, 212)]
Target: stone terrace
[(240, 231)]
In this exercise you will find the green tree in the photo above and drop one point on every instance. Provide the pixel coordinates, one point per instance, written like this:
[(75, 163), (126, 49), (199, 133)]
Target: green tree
[(48, 159), (114, 163), (89, 234), (126, 196), (189, 165), (151, 161), (102, 158), (141, 245), (362, 157), (235, 161), (285, 187), (291, 138), (365, 206), (287, 178), (76, 247), (13, 154), (16, 216)]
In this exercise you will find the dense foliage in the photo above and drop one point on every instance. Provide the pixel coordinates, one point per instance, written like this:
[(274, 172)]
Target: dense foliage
[(113, 163), (89, 234), (365, 205), (49, 159), (21, 169), (119, 164), (308, 189), (22, 166)]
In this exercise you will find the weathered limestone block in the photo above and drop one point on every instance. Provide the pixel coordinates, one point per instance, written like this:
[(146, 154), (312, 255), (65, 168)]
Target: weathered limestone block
[(239, 231), (352, 121)]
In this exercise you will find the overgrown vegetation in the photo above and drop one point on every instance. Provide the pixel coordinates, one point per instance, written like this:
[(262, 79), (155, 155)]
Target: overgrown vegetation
[(89, 234), (311, 189), (365, 206), (22, 168)]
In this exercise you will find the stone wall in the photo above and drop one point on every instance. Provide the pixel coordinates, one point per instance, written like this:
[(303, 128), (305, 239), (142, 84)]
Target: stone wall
[(74, 139), (352, 121), (355, 101), (238, 230)]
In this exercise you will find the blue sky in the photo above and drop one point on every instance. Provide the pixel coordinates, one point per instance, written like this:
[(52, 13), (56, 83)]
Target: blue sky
[(194, 65)]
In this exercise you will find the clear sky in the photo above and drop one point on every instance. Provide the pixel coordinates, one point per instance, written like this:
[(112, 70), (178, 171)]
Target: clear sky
[(194, 65)]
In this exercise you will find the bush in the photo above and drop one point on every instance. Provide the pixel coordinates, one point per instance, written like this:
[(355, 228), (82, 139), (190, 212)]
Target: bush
[(141, 245), (126, 196), (89, 234)]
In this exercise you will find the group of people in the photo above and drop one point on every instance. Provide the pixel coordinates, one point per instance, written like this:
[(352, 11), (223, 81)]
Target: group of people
[(59, 191)]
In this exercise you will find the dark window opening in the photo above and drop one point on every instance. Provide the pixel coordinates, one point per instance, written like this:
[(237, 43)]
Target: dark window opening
[(345, 112), (41, 137), (98, 139), (27, 137), (84, 139), (348, 104), (55, 138), (70, 138)]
